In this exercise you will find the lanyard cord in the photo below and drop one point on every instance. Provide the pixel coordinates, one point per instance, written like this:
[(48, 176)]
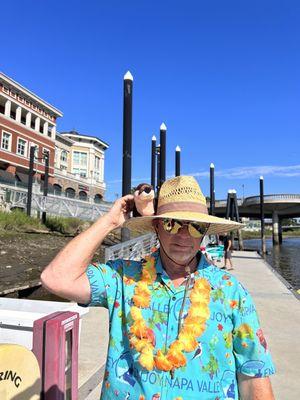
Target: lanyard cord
[(186, 289)]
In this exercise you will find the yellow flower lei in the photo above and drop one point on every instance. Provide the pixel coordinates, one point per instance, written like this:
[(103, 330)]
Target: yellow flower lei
[(142, 337)]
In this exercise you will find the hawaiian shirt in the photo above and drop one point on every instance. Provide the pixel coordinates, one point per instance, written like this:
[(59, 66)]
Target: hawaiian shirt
[(232, 342)]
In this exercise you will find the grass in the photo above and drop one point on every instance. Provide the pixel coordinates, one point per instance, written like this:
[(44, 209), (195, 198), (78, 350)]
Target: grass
[(18, 221), (65, 225)]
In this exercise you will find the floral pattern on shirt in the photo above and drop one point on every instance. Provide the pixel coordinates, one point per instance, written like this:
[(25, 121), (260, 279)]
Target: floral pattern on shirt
[(232, 342)]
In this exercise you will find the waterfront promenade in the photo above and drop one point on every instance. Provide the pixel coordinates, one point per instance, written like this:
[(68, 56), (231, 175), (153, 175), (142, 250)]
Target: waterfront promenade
[(279, 313)]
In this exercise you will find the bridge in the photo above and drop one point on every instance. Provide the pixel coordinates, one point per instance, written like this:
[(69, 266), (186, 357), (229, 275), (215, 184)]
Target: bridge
[(276, 206)]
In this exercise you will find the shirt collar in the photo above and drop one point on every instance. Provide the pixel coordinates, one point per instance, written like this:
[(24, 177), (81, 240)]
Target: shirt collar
[(202, 265)]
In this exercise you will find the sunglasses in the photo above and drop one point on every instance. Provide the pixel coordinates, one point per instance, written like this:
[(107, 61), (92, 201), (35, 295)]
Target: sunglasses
[(172, 226)]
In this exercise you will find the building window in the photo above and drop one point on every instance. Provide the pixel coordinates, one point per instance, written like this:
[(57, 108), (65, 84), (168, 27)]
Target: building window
[(97, 163), (97, 168), (80, 171), (63, 168), (22, 147), (6, 141), (97, 176), (80, 163), (57, 189), (97, 198), (64, 156), (70, 192), (79, 158), (82, 195)]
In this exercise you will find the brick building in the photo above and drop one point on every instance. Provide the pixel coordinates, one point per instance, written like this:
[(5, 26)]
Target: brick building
[(25, 120), (76, 161)]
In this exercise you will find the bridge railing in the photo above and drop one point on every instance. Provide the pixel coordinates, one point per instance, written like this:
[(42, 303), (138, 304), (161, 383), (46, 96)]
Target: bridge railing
[(272, 198), (223, 203), (56, 205), (132, 249)]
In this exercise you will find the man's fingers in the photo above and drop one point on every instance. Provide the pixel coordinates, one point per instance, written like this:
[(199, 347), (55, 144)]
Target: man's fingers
[(128, 197), (127, 203)]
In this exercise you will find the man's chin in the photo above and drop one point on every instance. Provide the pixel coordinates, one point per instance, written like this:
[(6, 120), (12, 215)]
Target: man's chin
[(181, 257)]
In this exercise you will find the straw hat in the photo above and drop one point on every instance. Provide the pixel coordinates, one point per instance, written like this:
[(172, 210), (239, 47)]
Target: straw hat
[(181, 198)]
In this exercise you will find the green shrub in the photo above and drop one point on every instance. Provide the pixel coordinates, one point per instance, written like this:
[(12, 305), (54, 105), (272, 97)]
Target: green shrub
[(63, 225), (18, 220)]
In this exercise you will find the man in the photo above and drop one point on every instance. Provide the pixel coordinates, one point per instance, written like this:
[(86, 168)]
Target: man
[(227, 252), (179, 327)]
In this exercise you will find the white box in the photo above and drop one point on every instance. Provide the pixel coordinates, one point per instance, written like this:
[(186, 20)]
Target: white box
[(17, 317)]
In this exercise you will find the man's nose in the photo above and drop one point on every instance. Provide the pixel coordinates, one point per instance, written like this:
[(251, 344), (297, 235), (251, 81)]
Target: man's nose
[(184, 230)]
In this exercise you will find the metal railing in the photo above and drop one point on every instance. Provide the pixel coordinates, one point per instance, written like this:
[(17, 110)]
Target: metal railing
[(272, 198), (133, 249), (223, 203), (56, 205)]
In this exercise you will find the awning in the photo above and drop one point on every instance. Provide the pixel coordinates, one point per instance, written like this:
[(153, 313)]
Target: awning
[(7, 176), (22, 177)]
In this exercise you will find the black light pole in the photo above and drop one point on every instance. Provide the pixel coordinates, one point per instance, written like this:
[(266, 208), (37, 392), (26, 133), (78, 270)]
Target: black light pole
[(262, 216), (212, 189), (177, 160), (237, 218), (30, 180), (158, 168), (227, 213), (127, 143), (46, 158), (230, 210), (163, 134), (153, 153)]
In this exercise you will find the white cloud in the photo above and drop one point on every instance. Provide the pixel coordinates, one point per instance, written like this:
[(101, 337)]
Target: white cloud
[(254, 172), (116, 181), (236, 173)]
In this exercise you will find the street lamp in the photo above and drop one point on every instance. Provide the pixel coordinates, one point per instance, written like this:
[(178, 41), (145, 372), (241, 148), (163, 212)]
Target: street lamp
[(45, 157)]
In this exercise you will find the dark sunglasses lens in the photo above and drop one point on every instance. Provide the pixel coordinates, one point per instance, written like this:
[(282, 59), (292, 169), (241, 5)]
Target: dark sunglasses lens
[(196, 230), (171, 226)]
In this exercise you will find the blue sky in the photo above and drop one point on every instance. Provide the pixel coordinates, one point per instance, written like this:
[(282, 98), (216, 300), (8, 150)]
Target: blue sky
[(223, 76)]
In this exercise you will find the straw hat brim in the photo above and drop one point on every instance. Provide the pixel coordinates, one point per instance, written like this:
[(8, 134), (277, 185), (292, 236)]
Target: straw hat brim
[(216, 225)]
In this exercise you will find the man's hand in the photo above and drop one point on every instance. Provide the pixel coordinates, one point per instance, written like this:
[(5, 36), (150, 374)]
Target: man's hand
[(121, 210), (65, 275)]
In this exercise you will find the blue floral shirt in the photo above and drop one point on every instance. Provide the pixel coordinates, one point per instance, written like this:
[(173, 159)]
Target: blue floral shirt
[(232, 342)]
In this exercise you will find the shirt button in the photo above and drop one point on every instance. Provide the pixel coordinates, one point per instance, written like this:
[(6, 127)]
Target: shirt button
[(173, 298)]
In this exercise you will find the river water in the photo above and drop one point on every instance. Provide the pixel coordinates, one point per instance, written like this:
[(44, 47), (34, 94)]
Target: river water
[(285, 258)]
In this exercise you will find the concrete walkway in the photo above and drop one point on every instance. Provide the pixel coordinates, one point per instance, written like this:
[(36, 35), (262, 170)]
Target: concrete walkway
[(92, 353), (279, 313)]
